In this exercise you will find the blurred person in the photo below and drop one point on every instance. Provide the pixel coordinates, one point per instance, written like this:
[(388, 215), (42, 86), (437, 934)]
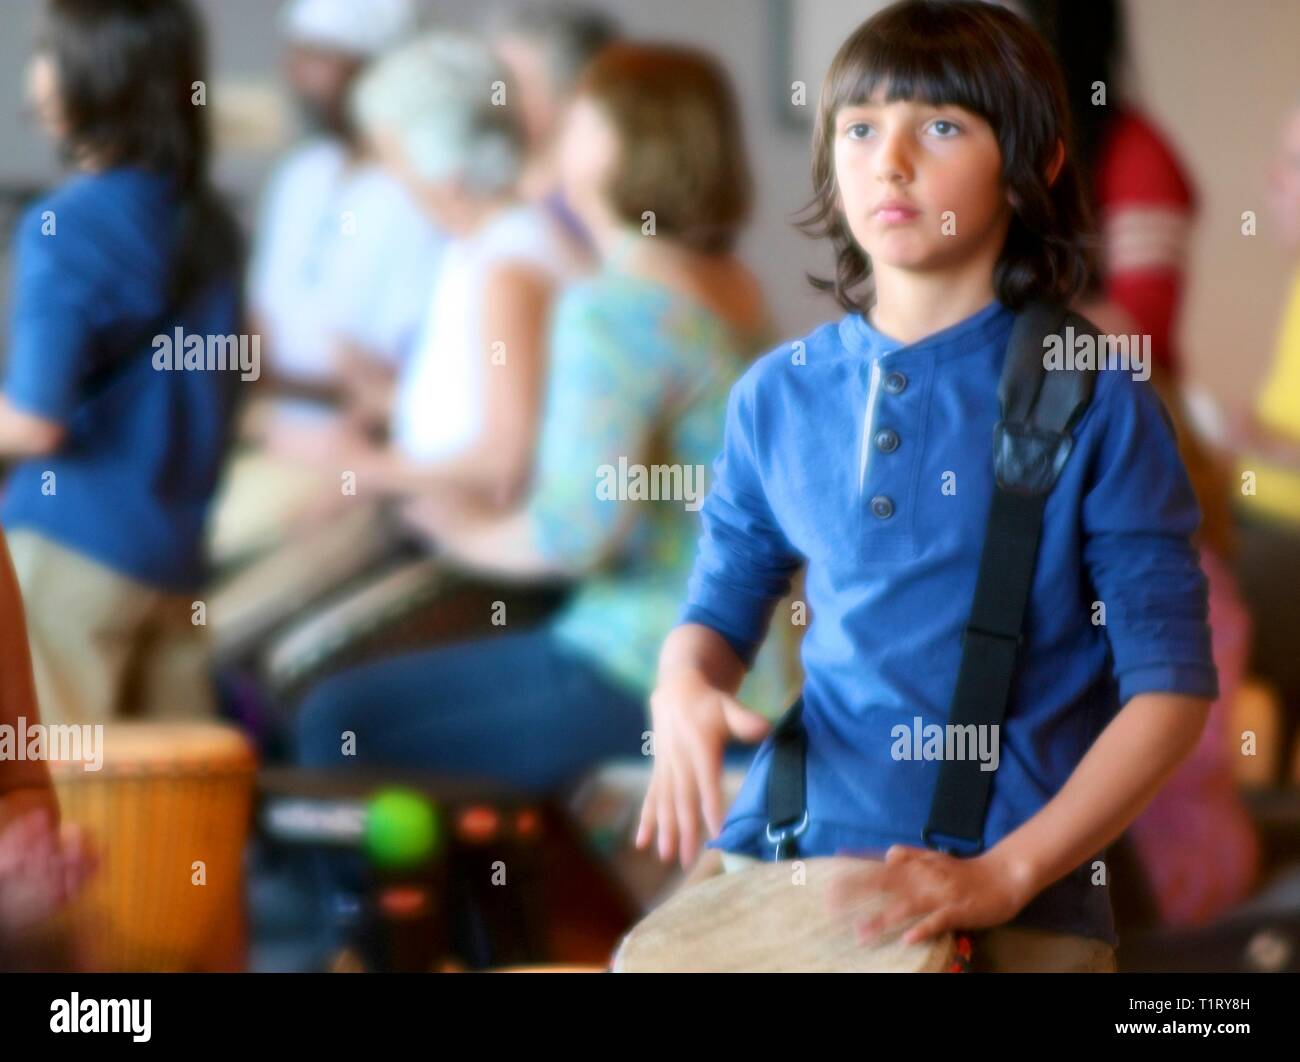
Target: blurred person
[(467, 405), (1143, 202), (1141, 196), (1267, 486), (464, 419), (642, 355), (1195, 844), (546, 46), (343, 262), (116, 452)]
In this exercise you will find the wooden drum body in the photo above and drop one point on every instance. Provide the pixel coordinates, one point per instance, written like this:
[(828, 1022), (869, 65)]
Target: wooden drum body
[(168, 814), (772, 918)]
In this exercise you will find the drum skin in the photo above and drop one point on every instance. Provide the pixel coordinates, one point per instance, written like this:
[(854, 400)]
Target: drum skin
[(762, 920), (167, 797)]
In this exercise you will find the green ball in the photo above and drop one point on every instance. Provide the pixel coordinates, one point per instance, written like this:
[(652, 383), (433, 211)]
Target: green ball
[(402, 828)]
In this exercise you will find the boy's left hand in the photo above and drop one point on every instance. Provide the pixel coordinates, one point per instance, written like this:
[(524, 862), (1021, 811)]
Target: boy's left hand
[(945, 892)]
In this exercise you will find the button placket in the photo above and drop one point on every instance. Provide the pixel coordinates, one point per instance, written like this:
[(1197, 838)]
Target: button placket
[(886, 440)]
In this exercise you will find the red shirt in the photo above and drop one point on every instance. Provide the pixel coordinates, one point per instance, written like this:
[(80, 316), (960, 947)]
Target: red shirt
[(1145, 205)]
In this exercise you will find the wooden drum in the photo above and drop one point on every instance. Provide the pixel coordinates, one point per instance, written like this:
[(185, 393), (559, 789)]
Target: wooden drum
[(761, 920), (168, 814)]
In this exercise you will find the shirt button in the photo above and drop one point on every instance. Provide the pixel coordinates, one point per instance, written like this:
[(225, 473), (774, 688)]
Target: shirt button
[(886, 440), (894, 382), (881, 507)]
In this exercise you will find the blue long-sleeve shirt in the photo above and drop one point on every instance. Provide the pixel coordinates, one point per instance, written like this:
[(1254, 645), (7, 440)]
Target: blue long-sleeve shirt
[(131, 483), (871, 462)]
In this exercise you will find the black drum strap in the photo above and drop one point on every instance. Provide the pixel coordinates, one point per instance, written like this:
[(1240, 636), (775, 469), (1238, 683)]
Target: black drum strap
[(787, 805), (988, 665)]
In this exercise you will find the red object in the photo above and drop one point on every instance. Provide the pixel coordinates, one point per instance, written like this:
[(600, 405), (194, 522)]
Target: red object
[(478, 824), (403, 901), (961, 964), (1145, 205)]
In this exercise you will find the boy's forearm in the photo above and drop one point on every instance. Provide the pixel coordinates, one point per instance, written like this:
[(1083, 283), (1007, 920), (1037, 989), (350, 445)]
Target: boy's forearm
[(1127, 765), (701, 648)]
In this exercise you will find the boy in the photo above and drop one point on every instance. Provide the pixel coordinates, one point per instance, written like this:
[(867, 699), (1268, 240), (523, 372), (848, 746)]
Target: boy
[(864, 453)]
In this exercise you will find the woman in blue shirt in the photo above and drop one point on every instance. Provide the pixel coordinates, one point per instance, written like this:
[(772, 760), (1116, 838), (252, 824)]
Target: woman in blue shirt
[(115, 407)]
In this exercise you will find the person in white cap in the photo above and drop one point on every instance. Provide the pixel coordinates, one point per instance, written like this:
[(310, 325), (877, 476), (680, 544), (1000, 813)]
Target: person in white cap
[(343, 261), (340, 277)]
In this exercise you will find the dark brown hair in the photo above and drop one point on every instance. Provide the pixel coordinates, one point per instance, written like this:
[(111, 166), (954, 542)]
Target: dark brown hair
[(987, 60), (681, 149), (127, 72)]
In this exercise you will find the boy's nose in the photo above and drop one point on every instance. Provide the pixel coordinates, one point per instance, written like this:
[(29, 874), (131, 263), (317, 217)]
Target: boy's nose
[(893, 159)]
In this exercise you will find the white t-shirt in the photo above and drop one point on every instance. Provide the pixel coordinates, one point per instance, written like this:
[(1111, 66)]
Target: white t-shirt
[(440, 394), (342, 253)]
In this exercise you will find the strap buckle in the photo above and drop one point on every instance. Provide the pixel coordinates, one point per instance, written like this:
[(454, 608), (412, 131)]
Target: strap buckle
[(784, 835), (950, 844)]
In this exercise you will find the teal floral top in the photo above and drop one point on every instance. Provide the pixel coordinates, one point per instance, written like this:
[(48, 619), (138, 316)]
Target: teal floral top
[(634, 417)]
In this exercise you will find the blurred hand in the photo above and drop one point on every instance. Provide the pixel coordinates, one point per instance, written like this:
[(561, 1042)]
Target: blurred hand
[(692, 722), (41, 869), (434, 515), (328, 444), (369, 386)]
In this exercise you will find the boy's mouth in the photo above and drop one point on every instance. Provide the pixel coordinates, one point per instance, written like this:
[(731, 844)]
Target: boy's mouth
[(893, 211)]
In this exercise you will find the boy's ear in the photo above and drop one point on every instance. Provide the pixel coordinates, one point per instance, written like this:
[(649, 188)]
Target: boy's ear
[(1058, 160)]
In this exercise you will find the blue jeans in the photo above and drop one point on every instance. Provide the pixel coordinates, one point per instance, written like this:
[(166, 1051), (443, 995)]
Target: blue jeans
[(520, 709)]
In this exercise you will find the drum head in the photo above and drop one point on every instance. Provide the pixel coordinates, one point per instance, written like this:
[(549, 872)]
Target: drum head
[(762, 920), (133, 747)]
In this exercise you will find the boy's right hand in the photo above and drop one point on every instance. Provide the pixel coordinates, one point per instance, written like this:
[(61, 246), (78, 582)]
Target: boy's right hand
[(692, 722)]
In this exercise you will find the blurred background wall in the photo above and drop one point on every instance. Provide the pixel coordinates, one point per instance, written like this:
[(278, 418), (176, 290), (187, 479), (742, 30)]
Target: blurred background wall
[(1217, 77)]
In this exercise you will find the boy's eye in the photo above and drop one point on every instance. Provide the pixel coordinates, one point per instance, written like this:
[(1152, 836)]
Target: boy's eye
[(944, 128)]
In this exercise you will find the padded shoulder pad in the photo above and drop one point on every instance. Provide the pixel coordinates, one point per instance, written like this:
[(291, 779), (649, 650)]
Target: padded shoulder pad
[(1039, 405)]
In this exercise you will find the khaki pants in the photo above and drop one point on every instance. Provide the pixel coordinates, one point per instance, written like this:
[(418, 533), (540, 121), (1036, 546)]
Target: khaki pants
[(105, 646), (1009, 949), (260, 498)]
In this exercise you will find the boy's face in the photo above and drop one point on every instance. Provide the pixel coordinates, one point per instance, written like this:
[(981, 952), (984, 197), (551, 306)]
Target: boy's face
[(920, 186)]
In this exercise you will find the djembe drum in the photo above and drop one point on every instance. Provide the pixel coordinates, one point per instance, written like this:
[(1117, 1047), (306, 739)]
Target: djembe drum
[(760, 920), (168, 813)]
